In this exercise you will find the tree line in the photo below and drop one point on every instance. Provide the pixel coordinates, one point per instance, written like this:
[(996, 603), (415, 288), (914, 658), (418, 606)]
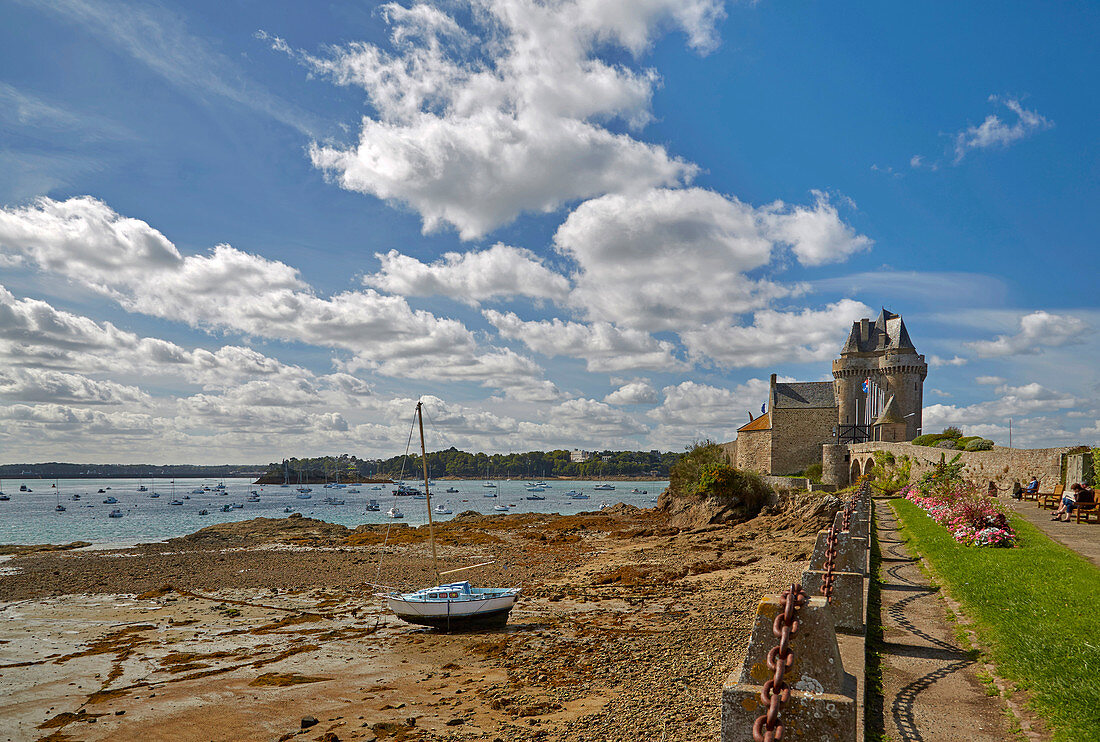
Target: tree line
[(464, 465)]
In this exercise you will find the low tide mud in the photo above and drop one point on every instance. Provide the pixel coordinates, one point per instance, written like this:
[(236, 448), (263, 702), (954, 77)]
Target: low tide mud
[(271, 629)]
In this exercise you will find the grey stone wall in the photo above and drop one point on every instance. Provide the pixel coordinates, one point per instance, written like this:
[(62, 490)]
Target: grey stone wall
[(754, 451), (1001, 465), (797, 437)]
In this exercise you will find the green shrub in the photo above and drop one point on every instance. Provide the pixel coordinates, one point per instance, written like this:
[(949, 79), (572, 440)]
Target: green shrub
[(889, 474), (949, 443), (952, 432), (813, 472), (685, 472), (979, 444), (927, 439)]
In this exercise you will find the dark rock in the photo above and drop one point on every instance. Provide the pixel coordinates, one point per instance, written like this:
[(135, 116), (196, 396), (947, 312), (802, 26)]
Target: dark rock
[(456, 722), (308, 721)]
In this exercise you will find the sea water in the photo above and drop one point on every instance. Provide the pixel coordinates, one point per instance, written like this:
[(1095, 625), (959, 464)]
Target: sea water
[(31, 517)]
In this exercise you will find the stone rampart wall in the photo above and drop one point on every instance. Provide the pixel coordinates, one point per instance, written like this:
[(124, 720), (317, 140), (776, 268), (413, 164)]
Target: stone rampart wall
[(1002, 465)]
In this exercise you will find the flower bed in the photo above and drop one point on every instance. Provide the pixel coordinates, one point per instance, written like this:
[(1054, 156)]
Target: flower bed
[(972, 518)]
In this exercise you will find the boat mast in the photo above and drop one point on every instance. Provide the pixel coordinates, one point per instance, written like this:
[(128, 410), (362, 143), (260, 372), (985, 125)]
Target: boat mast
[(427, 493)]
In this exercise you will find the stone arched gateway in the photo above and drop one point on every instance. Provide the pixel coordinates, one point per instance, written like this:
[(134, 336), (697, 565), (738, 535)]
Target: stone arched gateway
[(855, 470)]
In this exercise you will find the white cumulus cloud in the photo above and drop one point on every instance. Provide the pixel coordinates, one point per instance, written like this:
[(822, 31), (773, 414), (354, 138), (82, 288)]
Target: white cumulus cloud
[(1037, 330), (498, 272), (473, 125), (603, 346)]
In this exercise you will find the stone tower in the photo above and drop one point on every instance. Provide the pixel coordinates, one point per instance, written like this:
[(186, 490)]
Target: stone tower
[(883, 354)]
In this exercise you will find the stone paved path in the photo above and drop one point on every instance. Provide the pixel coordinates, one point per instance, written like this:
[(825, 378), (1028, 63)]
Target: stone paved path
[(930, 688), (1084, 538)]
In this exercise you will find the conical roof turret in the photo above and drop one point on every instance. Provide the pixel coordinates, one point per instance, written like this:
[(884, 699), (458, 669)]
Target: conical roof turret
[(889, 413)]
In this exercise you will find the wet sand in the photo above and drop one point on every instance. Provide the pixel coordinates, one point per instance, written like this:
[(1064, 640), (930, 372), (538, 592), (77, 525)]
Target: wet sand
[(627, 628)]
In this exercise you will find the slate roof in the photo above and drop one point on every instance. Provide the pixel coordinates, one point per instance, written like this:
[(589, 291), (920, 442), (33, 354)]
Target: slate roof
[(764, 422), (804, 395), (887, 332)]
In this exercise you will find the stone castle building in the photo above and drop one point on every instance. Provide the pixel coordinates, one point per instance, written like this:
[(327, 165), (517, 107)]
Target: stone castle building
[(876, 394)]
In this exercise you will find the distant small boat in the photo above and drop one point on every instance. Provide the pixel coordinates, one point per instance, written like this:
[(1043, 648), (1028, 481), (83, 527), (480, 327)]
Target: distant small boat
[(3, 497), (24, 488), (395, 513), (637, 491), (174, 502), (109, 501), (303, 496), (154, 496), (535, 497), (489, 484), (226, 508), (451, 490), (443, 509), (501, 507), (197, 491), (376, 489), (204, 511), (143, 488), (579, 496), (236, 505), (98, 492), (116, 513), (60, 508), (604, 487), (353, 491), (373, 506)]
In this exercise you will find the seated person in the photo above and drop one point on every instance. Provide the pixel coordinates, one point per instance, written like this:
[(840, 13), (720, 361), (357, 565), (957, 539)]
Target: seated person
[(1017, 490), (1086, 496), (991, 491), (1078, 494), (1032, 486)]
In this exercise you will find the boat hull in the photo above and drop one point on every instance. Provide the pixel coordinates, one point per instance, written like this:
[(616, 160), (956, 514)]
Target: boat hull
[(454, 615)]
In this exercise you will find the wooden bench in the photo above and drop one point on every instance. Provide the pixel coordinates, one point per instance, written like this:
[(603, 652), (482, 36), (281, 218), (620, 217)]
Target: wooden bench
[(1051, 500), (1030, 495), (1087, 510)]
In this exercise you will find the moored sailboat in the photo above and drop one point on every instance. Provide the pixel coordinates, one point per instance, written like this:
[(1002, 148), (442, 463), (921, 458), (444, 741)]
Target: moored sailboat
[(453, 605)]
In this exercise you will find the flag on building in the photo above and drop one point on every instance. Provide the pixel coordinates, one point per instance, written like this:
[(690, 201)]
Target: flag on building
[(867, 384)]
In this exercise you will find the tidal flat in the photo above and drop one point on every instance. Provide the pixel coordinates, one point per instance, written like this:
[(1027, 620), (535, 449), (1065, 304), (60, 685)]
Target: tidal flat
[(629, 624)]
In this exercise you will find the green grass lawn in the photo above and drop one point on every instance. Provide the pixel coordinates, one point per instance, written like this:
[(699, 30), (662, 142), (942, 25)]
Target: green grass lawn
[(1036, 608)]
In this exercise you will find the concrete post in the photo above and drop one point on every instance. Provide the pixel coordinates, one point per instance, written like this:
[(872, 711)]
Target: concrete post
[(847, 604), (851, 553), (822, 705)]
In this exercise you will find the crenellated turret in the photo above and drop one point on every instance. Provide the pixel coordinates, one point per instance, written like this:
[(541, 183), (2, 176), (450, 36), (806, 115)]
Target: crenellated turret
[(884, 354)]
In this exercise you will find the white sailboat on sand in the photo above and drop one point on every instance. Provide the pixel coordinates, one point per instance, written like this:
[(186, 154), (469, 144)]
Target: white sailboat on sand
[(454, 605)]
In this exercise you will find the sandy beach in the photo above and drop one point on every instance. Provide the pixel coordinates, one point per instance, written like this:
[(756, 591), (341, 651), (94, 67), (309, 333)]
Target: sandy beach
[(630, 622)]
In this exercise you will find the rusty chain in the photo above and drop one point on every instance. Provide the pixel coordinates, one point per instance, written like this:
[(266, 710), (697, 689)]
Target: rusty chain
[(829, 578), (776, 692)]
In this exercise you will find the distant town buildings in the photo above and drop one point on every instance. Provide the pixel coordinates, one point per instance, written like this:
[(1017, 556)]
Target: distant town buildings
[(578, 456)]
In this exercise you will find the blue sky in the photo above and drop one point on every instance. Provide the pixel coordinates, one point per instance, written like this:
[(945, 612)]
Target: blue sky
[(236, 231)]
